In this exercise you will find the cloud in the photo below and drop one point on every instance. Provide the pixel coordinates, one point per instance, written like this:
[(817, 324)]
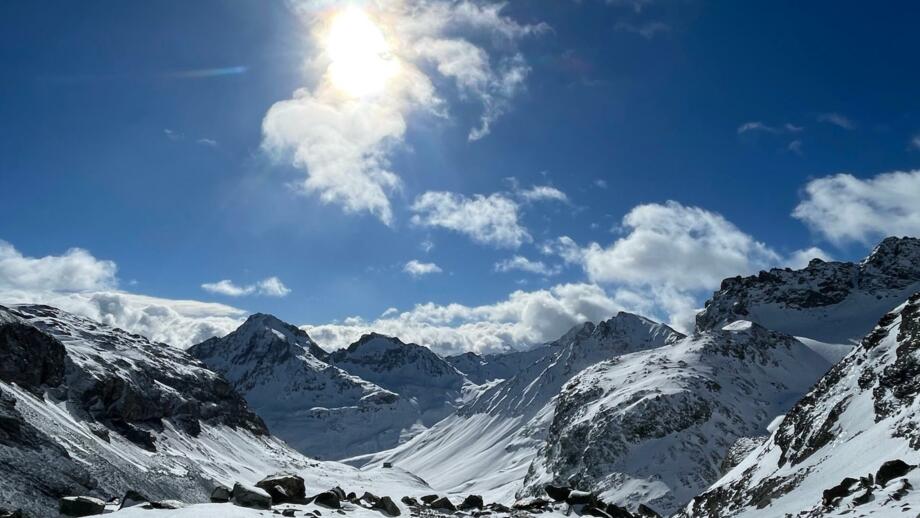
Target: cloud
[(844, 208), (647, 30), (600, 183), (78, 282), (419, 269), (837, 119), (342, 129), (800, 258), (543, 193), (523, 264), (521, 320), (914, 143), (671, 256), (491, 220), (207, 142), (796, 147), (270, 287), (754, 126)]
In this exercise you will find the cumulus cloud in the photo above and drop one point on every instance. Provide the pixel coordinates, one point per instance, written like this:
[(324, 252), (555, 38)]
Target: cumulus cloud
[(78, 282), (270, 287), (419, 269), (519, 321), (523, 264), (492, 220), (836, 119), (342, 129), (844, 208)]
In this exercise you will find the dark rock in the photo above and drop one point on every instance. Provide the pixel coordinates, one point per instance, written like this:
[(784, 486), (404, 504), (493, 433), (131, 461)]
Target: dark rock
[(429, 498), (557, 493), (30, 358), (221, 494), (616, 511), (81, 506), (132, 498), (369, 499), (892, 470), (902, 491), (593, 510), (579, 498), (531, 504), (647, 512), (249, 496), (352, 496), (444, 504), (167, 504), (471, 502), (864, 498), (499, 508), (287, 512), (408, 500), (339, 492), (387, 505), (387, 464), (10, 514), (328, 499), (284, 488), (842, 489)]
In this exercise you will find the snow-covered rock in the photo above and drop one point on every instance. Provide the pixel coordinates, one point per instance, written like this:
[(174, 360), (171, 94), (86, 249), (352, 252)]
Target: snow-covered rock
[(488, 445), (831, 302), (321, 410), (653, 427), (863, 413), (481, 369), (414, 372)]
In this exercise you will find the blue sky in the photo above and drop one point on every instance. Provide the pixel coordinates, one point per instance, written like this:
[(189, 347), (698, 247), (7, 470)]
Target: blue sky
[(144, 134)]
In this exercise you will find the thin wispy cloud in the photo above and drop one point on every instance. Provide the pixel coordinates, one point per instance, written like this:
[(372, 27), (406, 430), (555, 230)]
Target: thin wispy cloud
[(269, 287), (837, 119), (523, 264), (647, 30)]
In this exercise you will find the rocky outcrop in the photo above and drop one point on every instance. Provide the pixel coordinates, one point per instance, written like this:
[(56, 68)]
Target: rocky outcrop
[(245, 495)]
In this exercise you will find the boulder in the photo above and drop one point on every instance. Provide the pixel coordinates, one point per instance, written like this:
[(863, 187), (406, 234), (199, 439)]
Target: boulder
[(616, 511), (557, 493), (81, 506), (387, 506), (221, 494), (168, 504), (444, 504), (250, 496), (471, 502), (892, 470), (499, 508), (646, 512), (594, 510), (367, 499), (579, 498), (530, 504), (328, 499), (287, 512), (429, 498), (132, 498), (408, 500), (284, 488), (339, 492), (842, 489), (10, 514)]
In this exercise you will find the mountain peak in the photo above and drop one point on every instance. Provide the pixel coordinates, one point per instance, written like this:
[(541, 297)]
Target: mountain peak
[(264, 327)]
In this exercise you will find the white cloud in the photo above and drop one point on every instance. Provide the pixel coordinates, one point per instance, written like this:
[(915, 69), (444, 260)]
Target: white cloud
[(760, 126), (78, 282), (522, 320), (543, 193), (343, 139), (844, 208), (836, 119), (270, 287), (489, 219), (800, 258), (419, 269), (521, 263)]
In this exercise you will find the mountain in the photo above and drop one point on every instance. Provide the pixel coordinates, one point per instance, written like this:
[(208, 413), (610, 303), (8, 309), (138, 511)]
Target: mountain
[(414, 372), (321, 410), (488, 444), (90, 409), (850, 446), (831, 302), (653, 427), (482, 369)]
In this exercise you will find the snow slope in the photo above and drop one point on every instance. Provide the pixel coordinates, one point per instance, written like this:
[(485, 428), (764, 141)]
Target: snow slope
[(492, 367), (864, 412), (831, 302), (317, 408), (487, 446), (654, 426)]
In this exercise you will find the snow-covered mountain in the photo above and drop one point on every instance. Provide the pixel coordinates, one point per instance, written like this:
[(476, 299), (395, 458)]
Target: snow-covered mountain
[(831, 302), (488, 445), (432, 385), (653, 427), (861, 415), (89, 409), (315, 407), (481, 369)]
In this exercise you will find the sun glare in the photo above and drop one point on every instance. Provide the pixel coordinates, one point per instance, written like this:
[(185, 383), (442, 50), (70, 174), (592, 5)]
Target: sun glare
[(361, 61)]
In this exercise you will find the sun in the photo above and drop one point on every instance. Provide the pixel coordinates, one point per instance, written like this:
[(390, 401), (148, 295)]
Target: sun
[(361, 61)]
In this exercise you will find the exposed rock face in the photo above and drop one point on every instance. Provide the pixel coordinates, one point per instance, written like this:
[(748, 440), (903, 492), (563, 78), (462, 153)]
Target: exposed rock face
[(491, 367), (738, 451), (81, 506), (835, 302), (318, 408), (30, 358), (652, 427), (863, 412)]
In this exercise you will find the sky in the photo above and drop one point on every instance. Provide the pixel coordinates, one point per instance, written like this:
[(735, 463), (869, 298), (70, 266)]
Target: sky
[(466, 174)]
